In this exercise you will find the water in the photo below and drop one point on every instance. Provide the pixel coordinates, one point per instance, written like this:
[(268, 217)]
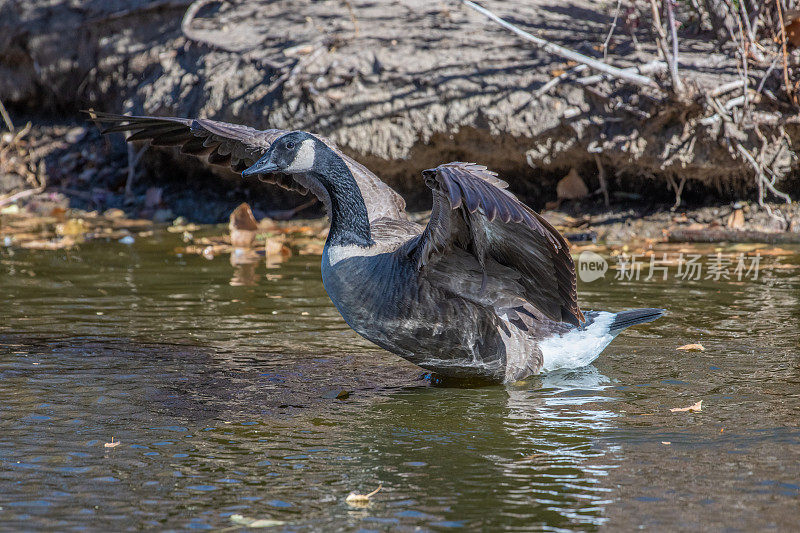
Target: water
[(220, 385)]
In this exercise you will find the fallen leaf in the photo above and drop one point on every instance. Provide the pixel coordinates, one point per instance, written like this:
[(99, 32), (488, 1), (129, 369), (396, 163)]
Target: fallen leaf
[(243, 226), (736, 219), (792, 27), (571, 187), (530, 457), (361, 500), (694, 407), (72, 227), (112, 444), (692, 348), (246, 521), (114, 213)]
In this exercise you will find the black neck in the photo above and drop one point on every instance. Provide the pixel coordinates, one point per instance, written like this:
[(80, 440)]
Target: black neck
[(349, 218)]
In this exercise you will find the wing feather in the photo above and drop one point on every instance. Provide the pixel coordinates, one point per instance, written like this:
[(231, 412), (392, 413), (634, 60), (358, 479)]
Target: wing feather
[(238, 147), (472, 210)]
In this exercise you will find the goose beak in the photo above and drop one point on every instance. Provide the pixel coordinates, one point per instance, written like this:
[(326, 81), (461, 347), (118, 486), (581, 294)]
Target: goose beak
[(260, 167)]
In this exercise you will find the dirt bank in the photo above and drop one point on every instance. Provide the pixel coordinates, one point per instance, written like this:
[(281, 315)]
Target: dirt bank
[(406, 85)]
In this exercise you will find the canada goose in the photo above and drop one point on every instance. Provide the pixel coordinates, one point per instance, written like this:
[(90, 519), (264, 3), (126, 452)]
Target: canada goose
[(486, 289)]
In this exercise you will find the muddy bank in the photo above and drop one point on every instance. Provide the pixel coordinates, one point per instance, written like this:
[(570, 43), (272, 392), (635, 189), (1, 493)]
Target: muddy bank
[(403, 87)]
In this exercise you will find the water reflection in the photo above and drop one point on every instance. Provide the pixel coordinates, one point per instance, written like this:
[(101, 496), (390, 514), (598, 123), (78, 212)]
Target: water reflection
[(224, 397), (244, 262)]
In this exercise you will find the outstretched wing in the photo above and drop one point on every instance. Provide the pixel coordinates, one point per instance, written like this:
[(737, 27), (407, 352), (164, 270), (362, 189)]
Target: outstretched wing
[(238, 147), (473, 211)]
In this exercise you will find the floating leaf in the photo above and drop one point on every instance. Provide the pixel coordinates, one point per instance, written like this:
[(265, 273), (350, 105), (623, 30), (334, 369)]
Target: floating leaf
[(246, 521), (243, 226), (694, 407), (692, 348), (361, 500), (72, 227)]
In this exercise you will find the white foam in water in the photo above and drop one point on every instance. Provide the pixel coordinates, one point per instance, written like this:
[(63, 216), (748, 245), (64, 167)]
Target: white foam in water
[(578, 347)]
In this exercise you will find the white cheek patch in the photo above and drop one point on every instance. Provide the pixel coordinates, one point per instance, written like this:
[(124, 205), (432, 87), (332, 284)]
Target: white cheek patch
[(304, 159)]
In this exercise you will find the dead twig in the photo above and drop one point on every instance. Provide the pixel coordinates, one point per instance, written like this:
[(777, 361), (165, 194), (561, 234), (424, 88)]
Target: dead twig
[(677, 189), (555, 49), (751, 34), (611, 30), (766, 74), (11, 198), (761, 180), (6, 117), (601, 177), (353, 18), (651, 67), (789, 88), (726, 88), (544, 89), (661, 40), (676, 79)]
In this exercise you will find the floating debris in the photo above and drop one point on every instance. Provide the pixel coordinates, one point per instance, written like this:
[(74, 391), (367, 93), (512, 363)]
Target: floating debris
[(246, 521), (361, 500), (72, 228), (336, 394), (243, 226), (692, 348), (696, 407), (112, 444), (128, 239)]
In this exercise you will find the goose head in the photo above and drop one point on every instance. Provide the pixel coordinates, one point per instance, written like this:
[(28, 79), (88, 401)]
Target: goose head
[(296, 152)]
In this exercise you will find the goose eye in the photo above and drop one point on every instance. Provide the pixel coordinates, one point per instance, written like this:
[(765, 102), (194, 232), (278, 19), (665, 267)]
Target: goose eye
[(289, 145)]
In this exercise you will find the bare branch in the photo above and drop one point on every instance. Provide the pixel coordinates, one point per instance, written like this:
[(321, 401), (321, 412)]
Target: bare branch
[(726, 88), (10, 199), (761, 179), (565, 52), (786, 81), (676, 80), (6, 117), (611, 31), (661, 39), (601, 177), (651, 67), (558, 79)]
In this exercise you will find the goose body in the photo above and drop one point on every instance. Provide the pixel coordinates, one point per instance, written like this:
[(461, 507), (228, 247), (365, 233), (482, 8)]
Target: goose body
[(486, 289)]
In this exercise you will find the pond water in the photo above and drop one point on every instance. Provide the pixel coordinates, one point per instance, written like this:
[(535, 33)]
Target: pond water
[(220, 385)]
